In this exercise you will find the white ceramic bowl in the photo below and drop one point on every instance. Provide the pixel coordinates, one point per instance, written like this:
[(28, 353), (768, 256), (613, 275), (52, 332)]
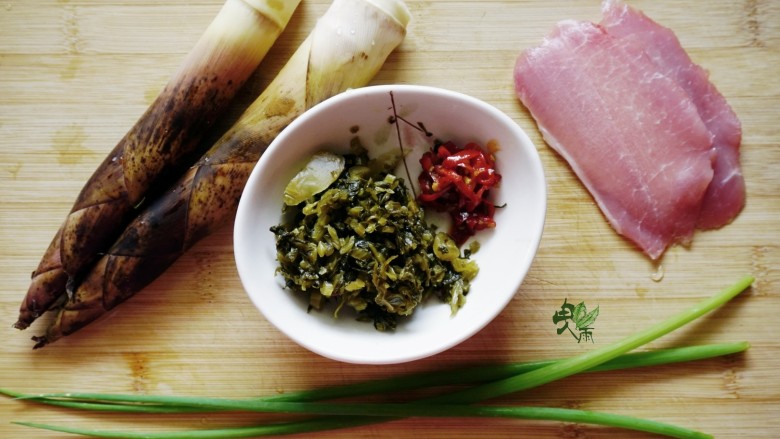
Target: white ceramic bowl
[(505, 255)]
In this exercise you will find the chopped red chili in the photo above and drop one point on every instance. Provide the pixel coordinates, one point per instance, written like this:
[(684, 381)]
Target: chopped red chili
[(457, 180)]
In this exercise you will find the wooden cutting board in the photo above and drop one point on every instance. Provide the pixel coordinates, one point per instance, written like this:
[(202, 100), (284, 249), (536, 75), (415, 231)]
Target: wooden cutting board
[(76, 74)]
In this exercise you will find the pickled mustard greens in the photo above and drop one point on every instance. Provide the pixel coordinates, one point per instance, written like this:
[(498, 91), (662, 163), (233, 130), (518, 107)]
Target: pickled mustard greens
[(363, 242)]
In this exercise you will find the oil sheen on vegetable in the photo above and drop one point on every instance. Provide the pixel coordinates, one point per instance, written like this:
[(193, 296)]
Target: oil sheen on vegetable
[(363, 242)]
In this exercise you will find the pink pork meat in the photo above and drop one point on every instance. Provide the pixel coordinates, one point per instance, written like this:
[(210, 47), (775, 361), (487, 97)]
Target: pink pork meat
[(632, 135), (725, 196)]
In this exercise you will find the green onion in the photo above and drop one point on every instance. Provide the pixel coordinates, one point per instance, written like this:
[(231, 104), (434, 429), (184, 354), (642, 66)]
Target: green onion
[(583, 362), (314, 425), (462, 376), (97, 406), (521, 377), (167, 404), (492, 372), (400, 410)]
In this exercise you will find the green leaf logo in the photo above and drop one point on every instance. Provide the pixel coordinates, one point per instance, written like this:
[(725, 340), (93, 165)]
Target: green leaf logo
[(582, 318), (579, 316)]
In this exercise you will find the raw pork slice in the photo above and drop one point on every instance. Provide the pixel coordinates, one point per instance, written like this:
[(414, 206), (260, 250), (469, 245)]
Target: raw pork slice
[(725, 197), (632, 135)]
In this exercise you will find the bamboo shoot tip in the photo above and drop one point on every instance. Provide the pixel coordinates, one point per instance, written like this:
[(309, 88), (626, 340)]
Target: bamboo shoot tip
[(395, 8), (278, 11)]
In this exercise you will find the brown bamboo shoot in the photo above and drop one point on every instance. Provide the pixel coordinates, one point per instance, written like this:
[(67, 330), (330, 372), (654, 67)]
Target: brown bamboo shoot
[(209, 77), (347, 47)]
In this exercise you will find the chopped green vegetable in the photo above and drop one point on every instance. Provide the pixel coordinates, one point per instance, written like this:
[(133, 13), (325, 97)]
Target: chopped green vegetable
[(363, 243)]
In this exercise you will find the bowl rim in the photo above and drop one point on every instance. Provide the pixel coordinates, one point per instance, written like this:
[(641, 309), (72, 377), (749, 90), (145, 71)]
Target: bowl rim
[(241, 220)]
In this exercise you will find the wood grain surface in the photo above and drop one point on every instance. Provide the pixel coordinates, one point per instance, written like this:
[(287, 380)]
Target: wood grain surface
[(76, 74)]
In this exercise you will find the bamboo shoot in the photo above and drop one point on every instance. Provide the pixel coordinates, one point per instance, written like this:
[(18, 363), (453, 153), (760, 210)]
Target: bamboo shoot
[(347, 47), (226, 54)]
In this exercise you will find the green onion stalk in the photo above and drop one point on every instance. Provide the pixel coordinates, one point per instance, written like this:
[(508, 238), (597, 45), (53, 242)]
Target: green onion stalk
[(496, 380)]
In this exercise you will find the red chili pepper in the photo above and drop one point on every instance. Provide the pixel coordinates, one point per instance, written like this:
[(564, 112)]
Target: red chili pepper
[(458, 180)]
